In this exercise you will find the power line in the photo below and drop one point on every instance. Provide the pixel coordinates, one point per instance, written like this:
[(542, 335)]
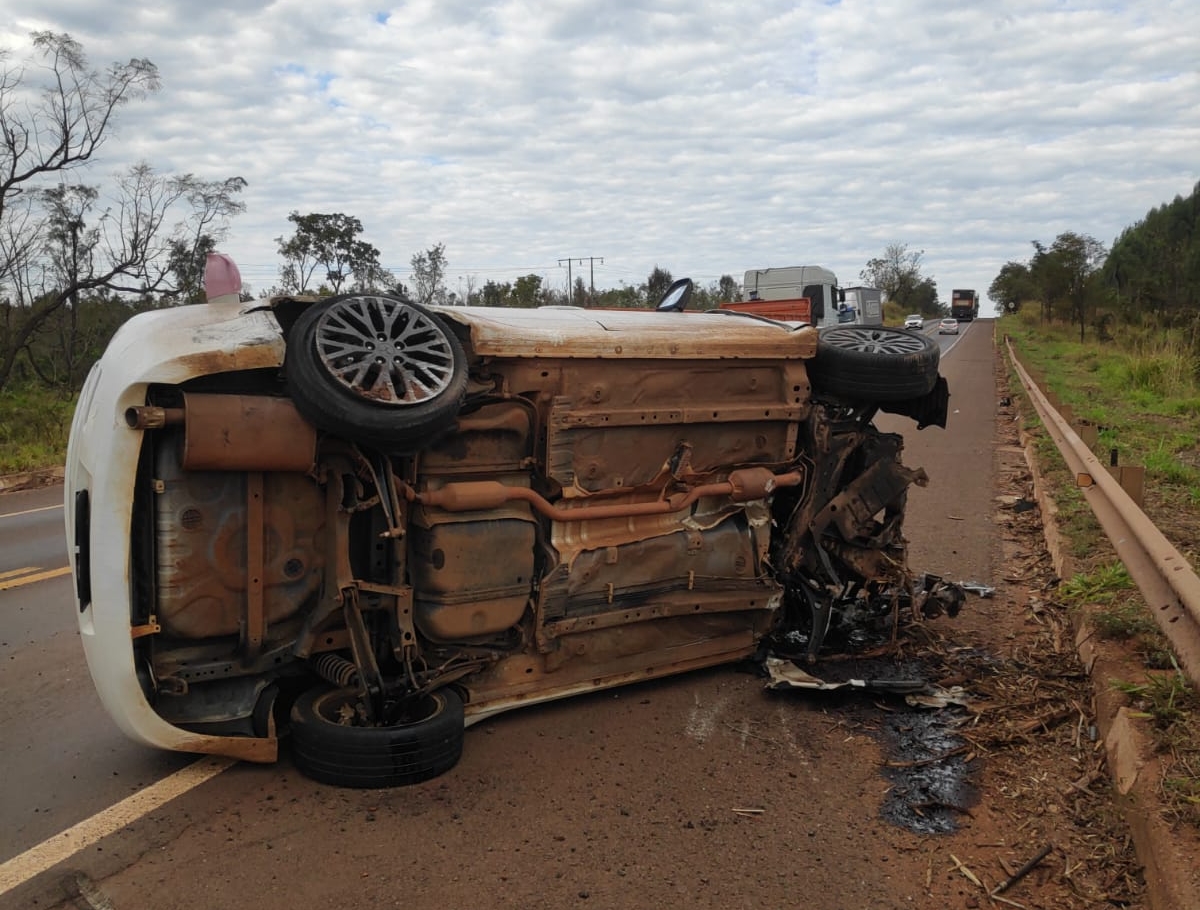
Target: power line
[(592, 260)]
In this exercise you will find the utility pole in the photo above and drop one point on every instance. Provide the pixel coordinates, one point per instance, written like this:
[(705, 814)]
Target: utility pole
[(568, 262), (592, 274)]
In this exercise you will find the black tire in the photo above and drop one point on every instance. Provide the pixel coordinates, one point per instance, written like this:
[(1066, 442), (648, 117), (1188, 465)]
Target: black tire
[(874, 363), (374, 757), (376, 369)]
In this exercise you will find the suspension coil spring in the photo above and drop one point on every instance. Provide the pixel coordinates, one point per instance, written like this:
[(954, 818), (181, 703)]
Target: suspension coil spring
[(335, 669)]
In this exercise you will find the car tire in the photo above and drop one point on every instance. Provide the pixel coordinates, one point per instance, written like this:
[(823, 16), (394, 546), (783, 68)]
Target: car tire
[(375, 368), (874, 363), (332, 752)]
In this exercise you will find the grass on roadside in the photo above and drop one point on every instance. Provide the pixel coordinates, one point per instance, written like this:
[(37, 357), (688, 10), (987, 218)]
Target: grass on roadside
[(1170, 703), (34, 424), (1166, 698), (1142, 392)]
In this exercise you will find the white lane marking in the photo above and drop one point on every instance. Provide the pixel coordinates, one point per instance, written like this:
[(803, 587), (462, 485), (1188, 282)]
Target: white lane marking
[(30, 511), (961, 332), (54, 850)]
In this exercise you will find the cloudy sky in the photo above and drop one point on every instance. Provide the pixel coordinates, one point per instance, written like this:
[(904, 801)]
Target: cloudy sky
[(704, 137)]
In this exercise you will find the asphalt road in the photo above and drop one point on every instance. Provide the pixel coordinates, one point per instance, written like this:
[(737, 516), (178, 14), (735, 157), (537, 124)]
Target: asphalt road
[(701, 790), (61, 757), (949, 522)]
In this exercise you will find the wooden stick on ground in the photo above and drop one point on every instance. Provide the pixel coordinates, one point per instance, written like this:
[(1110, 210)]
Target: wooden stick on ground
[(1023, 871)]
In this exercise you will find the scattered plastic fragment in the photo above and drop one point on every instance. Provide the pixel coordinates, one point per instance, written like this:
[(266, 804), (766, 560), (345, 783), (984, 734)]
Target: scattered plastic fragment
[(977, 587), (784, 674)]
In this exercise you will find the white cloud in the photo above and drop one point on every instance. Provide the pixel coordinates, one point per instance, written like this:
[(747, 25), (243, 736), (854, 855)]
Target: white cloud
[(706, 138)]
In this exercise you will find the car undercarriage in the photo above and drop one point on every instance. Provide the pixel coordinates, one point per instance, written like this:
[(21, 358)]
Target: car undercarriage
[(422, 518)]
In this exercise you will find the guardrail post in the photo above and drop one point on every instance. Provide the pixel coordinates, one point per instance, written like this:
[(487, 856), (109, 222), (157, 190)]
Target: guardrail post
[(1088, 432), (1132, 479)]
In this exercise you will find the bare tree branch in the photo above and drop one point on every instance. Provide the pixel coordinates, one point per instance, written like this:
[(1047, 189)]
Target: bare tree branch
[(61, 240)]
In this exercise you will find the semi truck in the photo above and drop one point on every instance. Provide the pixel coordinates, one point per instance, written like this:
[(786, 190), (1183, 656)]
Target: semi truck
[(807, 293), (964, 304)]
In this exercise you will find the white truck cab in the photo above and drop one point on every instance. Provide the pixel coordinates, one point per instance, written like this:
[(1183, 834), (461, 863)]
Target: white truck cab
[(830, 304)]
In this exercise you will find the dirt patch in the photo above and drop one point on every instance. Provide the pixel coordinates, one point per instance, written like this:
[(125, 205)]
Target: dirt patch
[(1032, 731), (30, 480)]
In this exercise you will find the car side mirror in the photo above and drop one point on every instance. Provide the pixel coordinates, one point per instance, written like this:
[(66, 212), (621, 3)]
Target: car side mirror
[(676, 297)]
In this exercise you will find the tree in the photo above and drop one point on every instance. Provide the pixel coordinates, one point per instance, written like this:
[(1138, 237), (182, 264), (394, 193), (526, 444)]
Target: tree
[(470, 295), (1078, 258), (212, 205), (1065, 274), (68, 246), (373, 278), (527, 291), (898, 274), (71, 118), (624, 297), (1047, 279), (186, 264), (1011, 287), (328, 248), (656, 285), (728, 289), (429, 275), (890, 272), (59, 245), (922, 297), (494, 294), (1154, 266)]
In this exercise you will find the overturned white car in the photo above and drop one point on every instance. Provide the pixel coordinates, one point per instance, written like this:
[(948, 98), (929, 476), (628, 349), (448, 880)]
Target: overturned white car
[(371, 523)]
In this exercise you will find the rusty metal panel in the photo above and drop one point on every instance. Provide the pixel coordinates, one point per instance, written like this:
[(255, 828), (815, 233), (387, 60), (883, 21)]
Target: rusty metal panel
[(628, 653), (472, 572), (201, 521), (611, 428), (584, 334), (496, 437), (614, 566), (596, 458), (246, 433), (256, 618)]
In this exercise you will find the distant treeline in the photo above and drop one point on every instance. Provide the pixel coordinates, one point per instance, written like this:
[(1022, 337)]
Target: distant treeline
[(1154, 265), (1151, 273)]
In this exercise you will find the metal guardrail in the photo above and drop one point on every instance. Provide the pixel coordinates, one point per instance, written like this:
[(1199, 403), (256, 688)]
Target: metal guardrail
[(1166, 579)]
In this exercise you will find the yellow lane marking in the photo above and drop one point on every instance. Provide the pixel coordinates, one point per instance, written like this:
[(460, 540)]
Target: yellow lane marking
[(30, 511), (14, 572), (54, 850), (30, 579)]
